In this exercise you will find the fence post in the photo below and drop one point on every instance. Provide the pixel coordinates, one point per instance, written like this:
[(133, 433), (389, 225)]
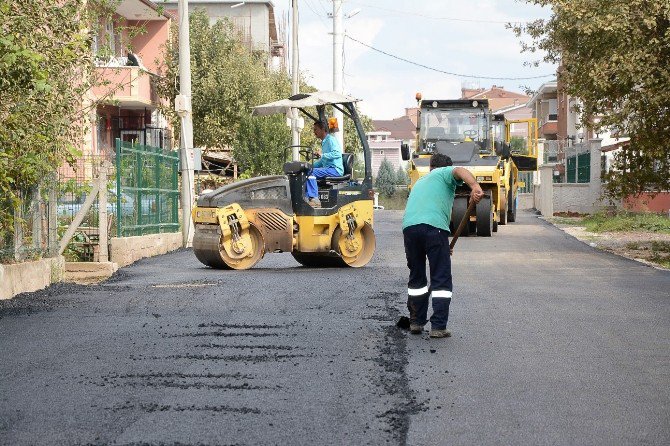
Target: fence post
[(119, 220), (37, 217), (103, 238), (52, 210), (18, 228)]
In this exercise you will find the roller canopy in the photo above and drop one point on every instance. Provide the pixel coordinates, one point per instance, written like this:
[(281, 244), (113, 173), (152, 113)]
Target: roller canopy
[(302, 100)]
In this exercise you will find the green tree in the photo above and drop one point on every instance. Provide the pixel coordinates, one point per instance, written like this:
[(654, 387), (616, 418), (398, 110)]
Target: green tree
[(614, 57), (228, 80), (401, 177), (46, 69), (385, 181)]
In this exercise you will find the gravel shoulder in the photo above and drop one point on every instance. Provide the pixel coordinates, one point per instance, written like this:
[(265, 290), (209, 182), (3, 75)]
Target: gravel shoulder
[(650, 248)]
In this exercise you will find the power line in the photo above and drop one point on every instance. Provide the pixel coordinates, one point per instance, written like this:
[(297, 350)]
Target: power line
[(447, 72), (432, 17)]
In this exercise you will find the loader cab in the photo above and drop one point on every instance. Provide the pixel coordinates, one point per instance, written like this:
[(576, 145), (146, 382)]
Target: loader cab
[(447, 124)]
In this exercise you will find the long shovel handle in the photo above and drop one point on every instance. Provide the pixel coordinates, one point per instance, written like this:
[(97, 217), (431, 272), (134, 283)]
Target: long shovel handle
[(464, 221)]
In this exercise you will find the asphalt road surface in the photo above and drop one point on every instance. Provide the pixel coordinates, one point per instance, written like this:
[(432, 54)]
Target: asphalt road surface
[(554, 343)]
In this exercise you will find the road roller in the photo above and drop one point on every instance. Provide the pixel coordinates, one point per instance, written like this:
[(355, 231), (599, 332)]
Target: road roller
[(237, 224)]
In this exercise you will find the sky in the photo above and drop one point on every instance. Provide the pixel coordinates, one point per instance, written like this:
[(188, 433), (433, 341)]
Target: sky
[(459, 36)]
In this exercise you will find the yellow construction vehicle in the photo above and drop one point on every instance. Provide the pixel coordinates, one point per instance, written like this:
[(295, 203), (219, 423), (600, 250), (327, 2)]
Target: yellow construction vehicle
[(466, 131), (237, 224)]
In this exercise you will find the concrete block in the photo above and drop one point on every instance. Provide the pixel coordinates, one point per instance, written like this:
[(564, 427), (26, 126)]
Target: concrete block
[(89, 272)]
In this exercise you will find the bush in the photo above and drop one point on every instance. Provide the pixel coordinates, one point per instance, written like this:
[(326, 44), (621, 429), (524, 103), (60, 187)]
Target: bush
[(401, 177), (386, 178)]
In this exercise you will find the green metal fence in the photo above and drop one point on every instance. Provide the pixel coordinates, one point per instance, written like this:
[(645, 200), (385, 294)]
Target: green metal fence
[(147, 182), (526, 177), (578, 168)]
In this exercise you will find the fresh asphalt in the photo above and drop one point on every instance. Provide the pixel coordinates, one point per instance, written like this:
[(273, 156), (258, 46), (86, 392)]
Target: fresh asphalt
[(554, 343)]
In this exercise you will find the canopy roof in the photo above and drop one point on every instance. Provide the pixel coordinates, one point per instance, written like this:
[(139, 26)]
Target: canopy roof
[(303, 100)]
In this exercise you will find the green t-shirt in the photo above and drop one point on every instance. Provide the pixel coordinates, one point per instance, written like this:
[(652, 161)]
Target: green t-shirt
[(431, 199)]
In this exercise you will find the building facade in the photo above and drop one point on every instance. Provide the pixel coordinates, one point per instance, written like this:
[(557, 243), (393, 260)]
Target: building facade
[(128, 48), (253, 19)]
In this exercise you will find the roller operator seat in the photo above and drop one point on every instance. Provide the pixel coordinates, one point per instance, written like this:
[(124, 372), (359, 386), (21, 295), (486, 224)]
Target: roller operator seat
[(348, 163)]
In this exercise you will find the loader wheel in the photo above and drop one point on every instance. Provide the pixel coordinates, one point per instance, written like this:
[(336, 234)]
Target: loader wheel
[(484, 217), (209, 250), (457, 213), (511, 206), (355, 252), (503, 215)]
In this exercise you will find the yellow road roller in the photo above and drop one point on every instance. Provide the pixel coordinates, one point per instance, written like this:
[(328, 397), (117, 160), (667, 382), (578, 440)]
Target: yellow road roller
[(237, 224)]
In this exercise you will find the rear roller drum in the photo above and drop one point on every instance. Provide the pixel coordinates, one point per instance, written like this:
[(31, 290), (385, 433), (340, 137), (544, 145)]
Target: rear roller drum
[(484, 217), (208, 248)]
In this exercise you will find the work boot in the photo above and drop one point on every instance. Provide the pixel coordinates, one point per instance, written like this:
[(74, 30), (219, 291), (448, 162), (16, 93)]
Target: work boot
[(415, 328), (444, 333), (315, 203)]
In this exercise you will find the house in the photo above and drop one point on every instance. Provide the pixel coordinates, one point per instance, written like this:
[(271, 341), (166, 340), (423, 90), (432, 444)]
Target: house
[(254, 19), (544, 106), (383, 145), (402, 129), (128, 47), (498, 97)]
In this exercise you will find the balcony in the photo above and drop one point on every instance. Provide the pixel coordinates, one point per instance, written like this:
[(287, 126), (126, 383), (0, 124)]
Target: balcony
[(549, 125), (128, 86)]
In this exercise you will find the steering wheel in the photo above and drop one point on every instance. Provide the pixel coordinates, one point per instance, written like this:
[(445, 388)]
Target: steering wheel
[(470, 133), (308, 153)]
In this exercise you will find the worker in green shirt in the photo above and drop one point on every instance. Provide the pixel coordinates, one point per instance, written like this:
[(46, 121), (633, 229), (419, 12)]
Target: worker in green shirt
[(426, 233)]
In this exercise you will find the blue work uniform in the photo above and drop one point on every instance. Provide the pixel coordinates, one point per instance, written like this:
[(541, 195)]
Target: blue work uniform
[(329, 165), (426, 234)]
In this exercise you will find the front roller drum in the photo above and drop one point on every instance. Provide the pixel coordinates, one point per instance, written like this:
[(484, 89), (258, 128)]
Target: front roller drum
[(345, 251), (208, 248)]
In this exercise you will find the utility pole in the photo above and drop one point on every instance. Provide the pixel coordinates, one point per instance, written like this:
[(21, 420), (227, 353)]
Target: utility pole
[(183, 109), (338, 49), (295, 78)]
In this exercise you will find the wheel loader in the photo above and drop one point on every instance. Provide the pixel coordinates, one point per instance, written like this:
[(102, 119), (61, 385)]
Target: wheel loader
[(237, 224), (466, 131)]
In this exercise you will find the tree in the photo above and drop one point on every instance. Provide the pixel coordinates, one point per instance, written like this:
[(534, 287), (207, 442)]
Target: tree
[(401, 177), (385, 181), (46, 68), (228, 80), (614, 57)]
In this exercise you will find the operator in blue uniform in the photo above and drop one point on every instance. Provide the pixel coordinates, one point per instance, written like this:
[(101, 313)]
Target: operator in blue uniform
[(426, 233), (329, 165)]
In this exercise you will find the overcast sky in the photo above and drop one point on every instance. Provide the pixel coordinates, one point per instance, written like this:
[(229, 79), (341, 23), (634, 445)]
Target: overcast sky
[(460, 36)]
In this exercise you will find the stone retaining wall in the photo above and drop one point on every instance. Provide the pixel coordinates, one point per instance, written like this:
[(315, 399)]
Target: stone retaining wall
[(30, 276)]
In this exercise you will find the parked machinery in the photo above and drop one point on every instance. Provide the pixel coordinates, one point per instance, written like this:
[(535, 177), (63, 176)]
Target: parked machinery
[(237, 224), (466, 131)]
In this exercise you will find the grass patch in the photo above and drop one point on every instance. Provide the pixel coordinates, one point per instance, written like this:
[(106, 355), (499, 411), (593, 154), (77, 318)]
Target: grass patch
[(626, 222), (396, 202)]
